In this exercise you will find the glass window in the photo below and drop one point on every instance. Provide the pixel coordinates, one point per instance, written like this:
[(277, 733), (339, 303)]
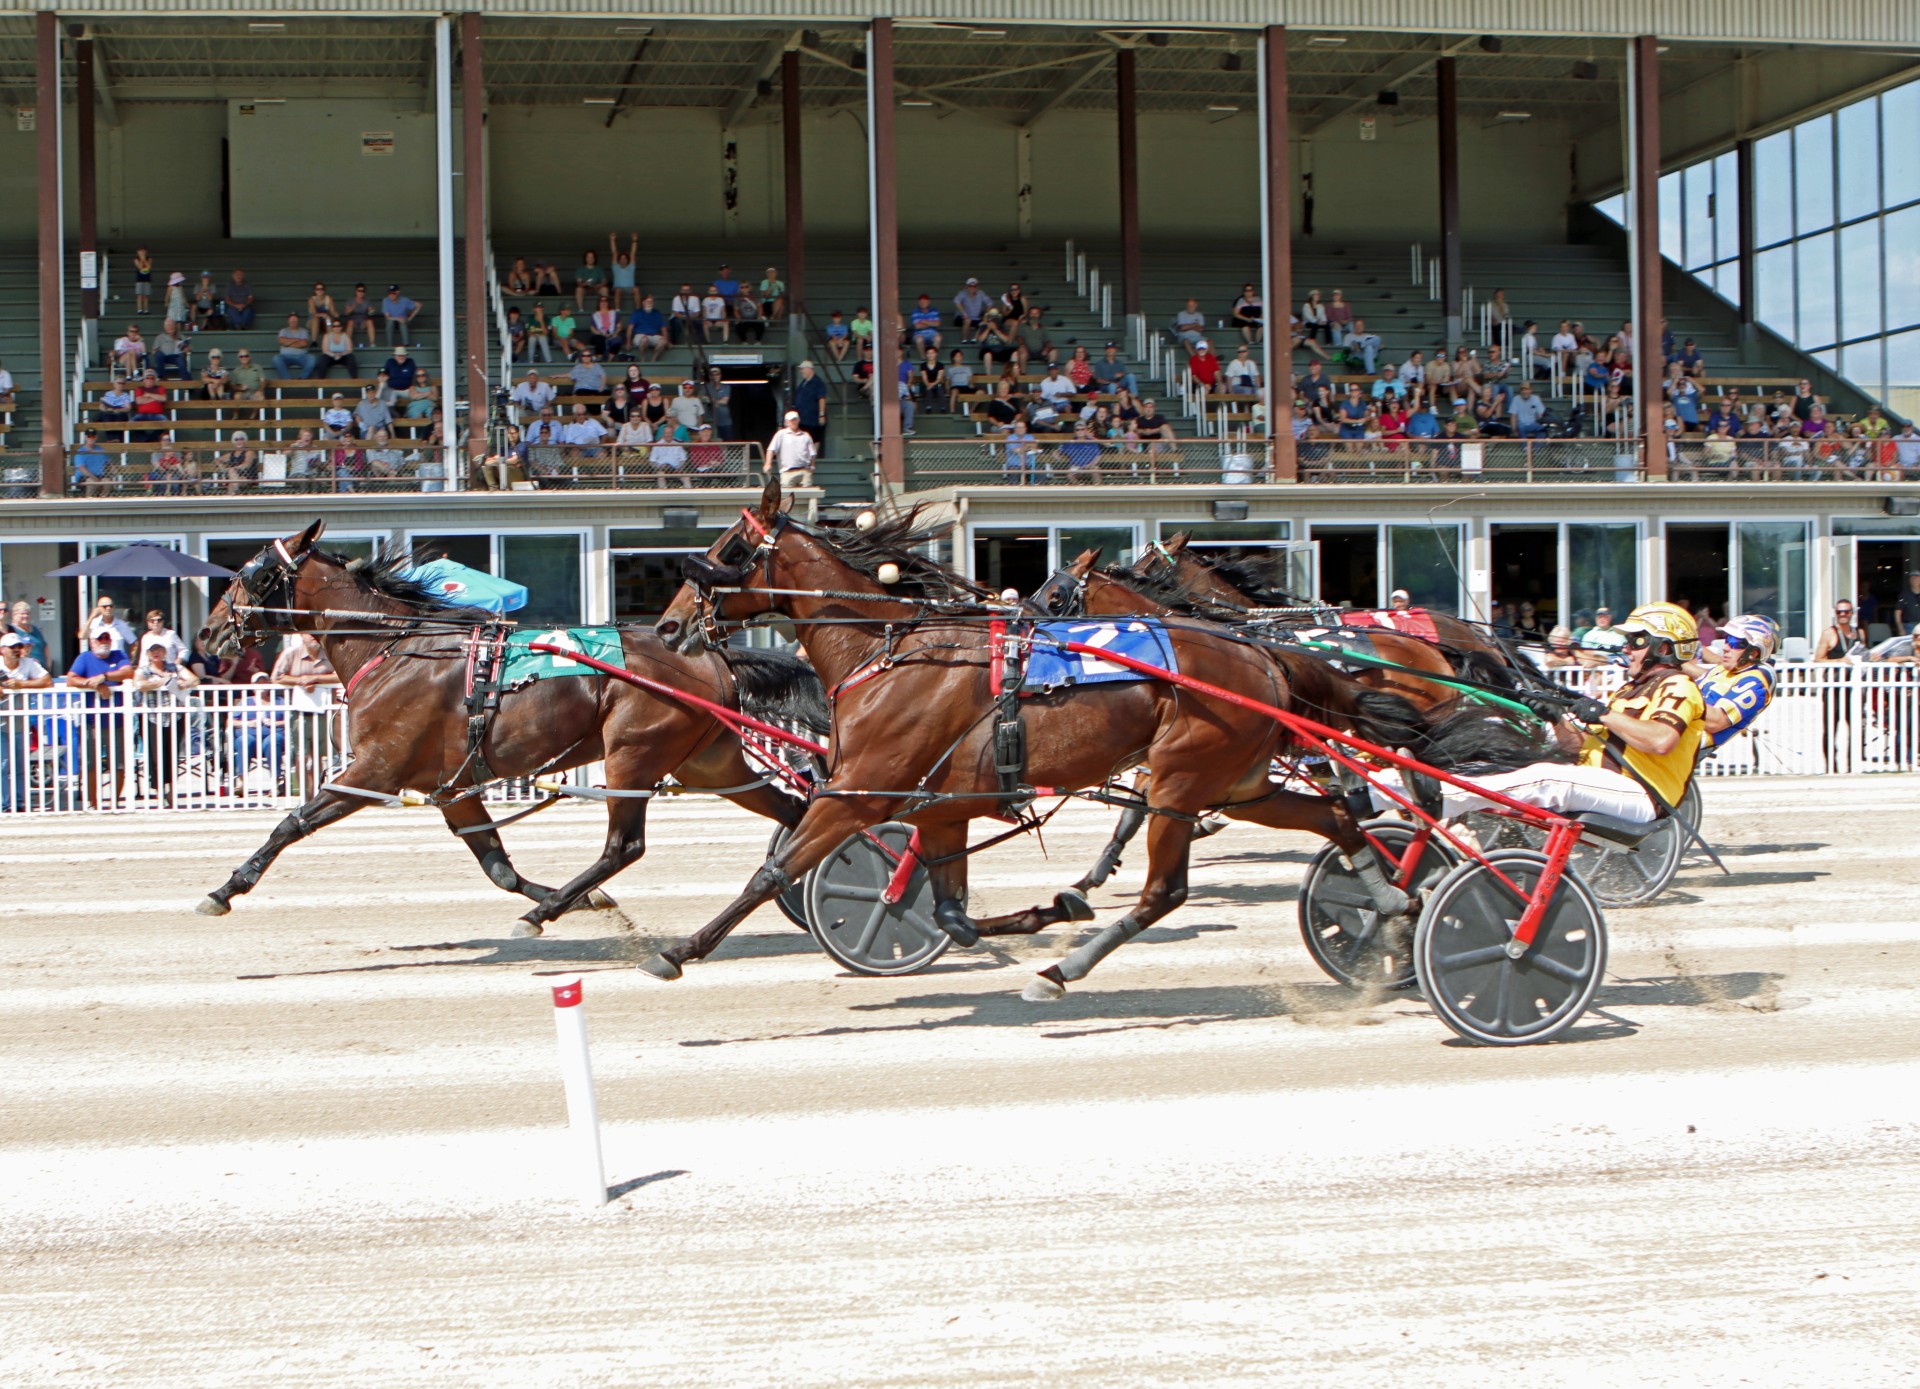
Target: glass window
[(1115, 544), (549, 565), (1773, 276), (1726, 207), (1903, 375), (1671, 216), (1903, 267), (1697, 186), (1860, 364), (1860, 286), (1773, 188), (1773, 573), (1727, 281), (1602, 568), (1858, 128), (1816, 290), (663, 538), (1614, 208), (1425, 561), (1813, 175), (1900, 174), (474, 551)]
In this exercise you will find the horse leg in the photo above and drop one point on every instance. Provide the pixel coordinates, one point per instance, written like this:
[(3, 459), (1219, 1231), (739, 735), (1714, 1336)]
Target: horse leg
[(1167, 843), (948, 840), (492, 853), (1131, 819), (625, 844), (1330, 818), (321, 810), (827, 822)]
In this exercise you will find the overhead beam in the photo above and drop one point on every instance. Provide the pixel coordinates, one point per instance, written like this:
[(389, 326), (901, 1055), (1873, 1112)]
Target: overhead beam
[(769, 64), (1363, 91), (1068, 89), (626, 79), (899, 91)]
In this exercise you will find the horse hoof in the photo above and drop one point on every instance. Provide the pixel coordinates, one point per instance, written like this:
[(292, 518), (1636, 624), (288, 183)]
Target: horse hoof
[(659, 967), (1041, 989), (522, 929), (211, 906), (598, 901), (1074, 904)]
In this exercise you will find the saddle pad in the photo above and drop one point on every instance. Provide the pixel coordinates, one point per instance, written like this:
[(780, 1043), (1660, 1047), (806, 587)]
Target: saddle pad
[(1414, 622), (601, 643), (1050, 668)]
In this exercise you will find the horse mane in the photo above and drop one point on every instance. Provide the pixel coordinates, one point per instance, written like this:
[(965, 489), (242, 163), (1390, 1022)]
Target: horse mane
[(774, 685), (387, 574), (1261, 577), (1165, 587), (896, 540)]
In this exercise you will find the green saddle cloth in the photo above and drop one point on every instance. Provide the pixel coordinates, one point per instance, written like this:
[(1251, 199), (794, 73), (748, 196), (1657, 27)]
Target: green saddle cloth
[(601, 643)]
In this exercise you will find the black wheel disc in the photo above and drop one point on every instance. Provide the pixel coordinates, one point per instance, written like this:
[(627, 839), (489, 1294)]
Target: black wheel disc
[(1481, 991), (1342, 931), (854, 923)]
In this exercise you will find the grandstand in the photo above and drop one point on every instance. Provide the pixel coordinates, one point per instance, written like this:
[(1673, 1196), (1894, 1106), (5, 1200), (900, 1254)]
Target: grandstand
[(1114, 169)]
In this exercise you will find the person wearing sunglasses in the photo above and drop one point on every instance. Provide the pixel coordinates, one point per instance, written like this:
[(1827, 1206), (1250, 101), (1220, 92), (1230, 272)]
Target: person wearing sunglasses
[(1738, 686), (1615, 756)]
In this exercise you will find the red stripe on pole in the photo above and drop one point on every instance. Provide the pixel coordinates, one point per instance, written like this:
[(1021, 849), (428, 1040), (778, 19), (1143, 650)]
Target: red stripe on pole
[(568, 994)]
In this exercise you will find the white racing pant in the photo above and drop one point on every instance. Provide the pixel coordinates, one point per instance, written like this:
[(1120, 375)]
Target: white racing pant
[(1551, 786)]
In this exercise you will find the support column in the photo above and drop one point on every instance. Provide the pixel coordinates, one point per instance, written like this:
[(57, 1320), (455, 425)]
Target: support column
[(83, 74), (889, 447), (473, 172), (1126, 114), (795, 269), (1448, 79), (443, 215), (1647, 309), (1749, 287), (53, 306), (1276, 240)]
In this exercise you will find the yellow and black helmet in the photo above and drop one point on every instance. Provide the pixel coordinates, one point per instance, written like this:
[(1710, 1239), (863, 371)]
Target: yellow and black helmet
[(1669, 628)]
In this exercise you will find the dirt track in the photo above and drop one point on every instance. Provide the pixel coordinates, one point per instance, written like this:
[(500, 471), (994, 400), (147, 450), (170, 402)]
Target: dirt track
[(316, 1142)]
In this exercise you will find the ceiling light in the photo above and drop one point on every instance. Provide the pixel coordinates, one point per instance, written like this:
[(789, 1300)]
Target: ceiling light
[(915, 101), (269, 101), (987, 33), (1325, 40), (596, 101), (1224, 110), (265, 26), (1514, 116), (633, 28)]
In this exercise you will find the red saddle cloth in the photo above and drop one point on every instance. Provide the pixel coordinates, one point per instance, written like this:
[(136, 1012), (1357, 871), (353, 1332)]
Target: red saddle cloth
[(1413, 622)]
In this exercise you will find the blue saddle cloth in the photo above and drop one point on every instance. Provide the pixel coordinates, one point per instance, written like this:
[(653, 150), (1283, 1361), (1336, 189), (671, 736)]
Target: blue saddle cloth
[(1051, 668)]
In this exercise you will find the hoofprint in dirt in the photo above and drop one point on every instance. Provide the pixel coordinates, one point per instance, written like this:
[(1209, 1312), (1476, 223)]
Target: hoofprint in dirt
[(317, 1142)]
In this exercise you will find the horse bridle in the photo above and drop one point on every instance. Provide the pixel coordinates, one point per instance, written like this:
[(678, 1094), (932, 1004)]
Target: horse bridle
[(268, 576), (721, 572), (1072, 591)]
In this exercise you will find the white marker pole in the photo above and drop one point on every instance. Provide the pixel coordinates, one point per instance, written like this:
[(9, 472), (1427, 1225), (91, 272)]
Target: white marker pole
[(583, 1115)]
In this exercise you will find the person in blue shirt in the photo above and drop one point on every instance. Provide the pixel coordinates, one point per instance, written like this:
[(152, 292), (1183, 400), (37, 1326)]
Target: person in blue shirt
[(1353, 413), (1388, 384), (1423, 423), (1739, 691), (89, 463), (99, 670), (925, 323), (401, 371), (726, 284), (809, 402), (647, 328)]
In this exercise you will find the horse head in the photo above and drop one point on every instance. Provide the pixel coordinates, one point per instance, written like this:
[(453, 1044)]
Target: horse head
[(693, 619), (1063, 595), (241, 618)]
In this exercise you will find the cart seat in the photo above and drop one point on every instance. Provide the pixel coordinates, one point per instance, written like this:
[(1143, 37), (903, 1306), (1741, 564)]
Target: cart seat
[(1627, 832)]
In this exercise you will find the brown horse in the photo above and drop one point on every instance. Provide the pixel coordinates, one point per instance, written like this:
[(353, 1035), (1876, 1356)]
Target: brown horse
[(407, 715), (914, 691)]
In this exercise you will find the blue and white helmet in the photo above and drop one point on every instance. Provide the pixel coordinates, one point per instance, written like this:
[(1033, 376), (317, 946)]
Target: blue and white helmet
[(1761, 634)]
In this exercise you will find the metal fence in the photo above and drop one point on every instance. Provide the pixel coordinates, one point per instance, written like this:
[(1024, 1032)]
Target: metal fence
[(225, 747)]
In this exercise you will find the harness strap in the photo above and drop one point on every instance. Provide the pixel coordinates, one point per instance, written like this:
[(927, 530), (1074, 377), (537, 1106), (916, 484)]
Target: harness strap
[(362, 673)]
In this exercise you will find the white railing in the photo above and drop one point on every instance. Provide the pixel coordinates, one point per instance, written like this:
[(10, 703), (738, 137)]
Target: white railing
[(1433, 278), (1416, 264), (225, 747), (1068, 273), (76, 392), (1106, 306), (477, 411)]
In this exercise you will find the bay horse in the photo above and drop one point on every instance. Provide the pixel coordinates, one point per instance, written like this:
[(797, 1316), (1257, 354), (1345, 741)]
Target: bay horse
[(1081, 589), (914, 687), (406, 675)]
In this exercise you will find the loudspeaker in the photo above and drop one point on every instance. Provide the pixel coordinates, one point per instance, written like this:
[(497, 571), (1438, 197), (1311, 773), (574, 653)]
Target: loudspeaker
[(1901, 506), (1388, 98)]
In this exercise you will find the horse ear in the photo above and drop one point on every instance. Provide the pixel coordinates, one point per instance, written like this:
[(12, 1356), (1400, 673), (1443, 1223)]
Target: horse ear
[(1083, 566), (1176, 542), (309, 535), (770, 498)]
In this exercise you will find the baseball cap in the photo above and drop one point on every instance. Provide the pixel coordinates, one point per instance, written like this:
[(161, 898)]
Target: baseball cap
[(393, 289), (13, 639), (972, 281), (1400, 593), (103, 635)]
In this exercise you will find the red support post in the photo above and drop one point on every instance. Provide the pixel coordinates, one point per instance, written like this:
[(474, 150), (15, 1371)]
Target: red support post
[(87, 150), (1126, 114), (795, 270), (53, 318), (1447, 79)]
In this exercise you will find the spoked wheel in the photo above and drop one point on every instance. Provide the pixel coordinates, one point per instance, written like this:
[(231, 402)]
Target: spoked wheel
[(853, 921), (1344, 934), (792, 902), (1631, 875), (1691, 810), (1502, 831), (1476, 987)]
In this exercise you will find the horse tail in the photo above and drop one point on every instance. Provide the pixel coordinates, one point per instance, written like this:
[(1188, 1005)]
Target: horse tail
[(1487, 669), (1464, 735), (778, 688)]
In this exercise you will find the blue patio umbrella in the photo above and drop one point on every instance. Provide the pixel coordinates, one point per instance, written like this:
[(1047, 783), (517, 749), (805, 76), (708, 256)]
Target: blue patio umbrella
[(459, 584)]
